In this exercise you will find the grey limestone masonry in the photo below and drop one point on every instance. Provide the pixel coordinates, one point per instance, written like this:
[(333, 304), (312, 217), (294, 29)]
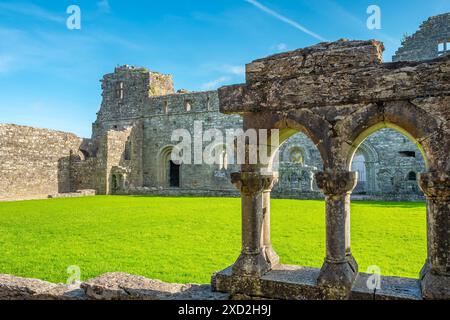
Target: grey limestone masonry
[(430, 41), (35, 162), (338, 94), (129, 151)]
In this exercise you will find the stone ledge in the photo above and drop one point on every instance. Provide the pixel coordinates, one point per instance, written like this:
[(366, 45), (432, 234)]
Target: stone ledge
[(122, 286), (284, 282), (16, 288), (300, 283), (76, 194), (110, 286)]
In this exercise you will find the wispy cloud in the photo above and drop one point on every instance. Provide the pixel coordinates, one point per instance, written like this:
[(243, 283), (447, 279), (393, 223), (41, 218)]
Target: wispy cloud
[(215, 83), (234, 70), (279, 47), (31, 10), (104, 6), (285, 19)]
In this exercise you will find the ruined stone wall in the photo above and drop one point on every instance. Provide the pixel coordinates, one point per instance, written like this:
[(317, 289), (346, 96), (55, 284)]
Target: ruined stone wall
[(35, 162), (424, 44), (397, 158), (158, 131), (153, 118), (85, 174)]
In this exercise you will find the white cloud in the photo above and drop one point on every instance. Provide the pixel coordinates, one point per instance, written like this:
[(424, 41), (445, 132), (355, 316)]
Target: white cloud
[(103, 6), (215, 83), (285, 19), (32, 10), (279, 47), (234, 70)]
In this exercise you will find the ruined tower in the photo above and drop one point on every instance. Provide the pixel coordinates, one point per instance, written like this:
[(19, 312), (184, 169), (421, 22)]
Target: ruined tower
[(125, 94), (430, 41)]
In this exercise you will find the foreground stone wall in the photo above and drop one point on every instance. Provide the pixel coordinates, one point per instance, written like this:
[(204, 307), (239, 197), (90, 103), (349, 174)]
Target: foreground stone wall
[(35, 162), (110, 286), (122, 286)]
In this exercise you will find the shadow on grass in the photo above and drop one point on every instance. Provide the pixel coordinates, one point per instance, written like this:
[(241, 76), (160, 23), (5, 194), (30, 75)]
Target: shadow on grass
[(384, 204), (375, 203)]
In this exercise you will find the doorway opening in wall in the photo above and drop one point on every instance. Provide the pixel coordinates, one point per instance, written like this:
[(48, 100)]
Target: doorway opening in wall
[(388, 236), (169, 172), (359, 165), (174, 174), (115, 184), (297, 205)]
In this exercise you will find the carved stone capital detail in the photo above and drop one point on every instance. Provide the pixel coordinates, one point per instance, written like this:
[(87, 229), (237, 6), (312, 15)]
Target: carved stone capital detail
[(336, 182), (269, 181), (435, 184), (253, 182)]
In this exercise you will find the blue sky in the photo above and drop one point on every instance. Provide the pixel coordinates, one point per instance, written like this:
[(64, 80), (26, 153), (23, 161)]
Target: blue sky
[(49, 75)]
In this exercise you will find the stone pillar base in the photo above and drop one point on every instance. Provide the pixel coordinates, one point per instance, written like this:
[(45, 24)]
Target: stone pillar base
[(434, 286), (299, 283), (252, 265), (338, 277), (271, 256)]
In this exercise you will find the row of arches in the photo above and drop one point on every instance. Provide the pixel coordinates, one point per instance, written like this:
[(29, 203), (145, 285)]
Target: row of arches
[(342, 158)]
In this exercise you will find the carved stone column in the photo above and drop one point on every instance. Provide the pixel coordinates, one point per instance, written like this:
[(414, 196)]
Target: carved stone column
[(435, 275), (339, 269), (252, 261), (270, 254)]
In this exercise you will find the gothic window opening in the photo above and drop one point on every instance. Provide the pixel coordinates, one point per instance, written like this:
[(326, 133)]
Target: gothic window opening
[(119, 90), (188, 105), (223, 159), (412, 176), (296, 156), (127, 152), (359, 165), (443, 47), (407, 154), (166, 107)]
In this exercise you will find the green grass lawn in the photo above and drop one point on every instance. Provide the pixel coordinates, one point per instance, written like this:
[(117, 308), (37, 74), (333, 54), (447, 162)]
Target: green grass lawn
[(187, 239)]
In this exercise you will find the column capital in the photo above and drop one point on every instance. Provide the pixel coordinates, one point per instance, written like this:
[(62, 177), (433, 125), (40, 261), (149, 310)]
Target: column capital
[(336, 182), (435, 184), (253, 182)]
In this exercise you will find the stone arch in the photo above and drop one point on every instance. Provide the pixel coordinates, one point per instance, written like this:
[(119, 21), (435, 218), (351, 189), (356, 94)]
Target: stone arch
[(412, 176), (163, 158), (370, 158), (402, 116), (358, 143), (306, 122), (83, 154)]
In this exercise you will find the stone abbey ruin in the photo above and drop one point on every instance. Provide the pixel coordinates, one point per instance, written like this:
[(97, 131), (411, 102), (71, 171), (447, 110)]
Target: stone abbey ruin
[(130, 148), (339, 109)]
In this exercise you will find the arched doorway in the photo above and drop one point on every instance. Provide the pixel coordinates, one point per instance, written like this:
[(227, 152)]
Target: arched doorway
[(359, 165), (174, 174), (169, 172)]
